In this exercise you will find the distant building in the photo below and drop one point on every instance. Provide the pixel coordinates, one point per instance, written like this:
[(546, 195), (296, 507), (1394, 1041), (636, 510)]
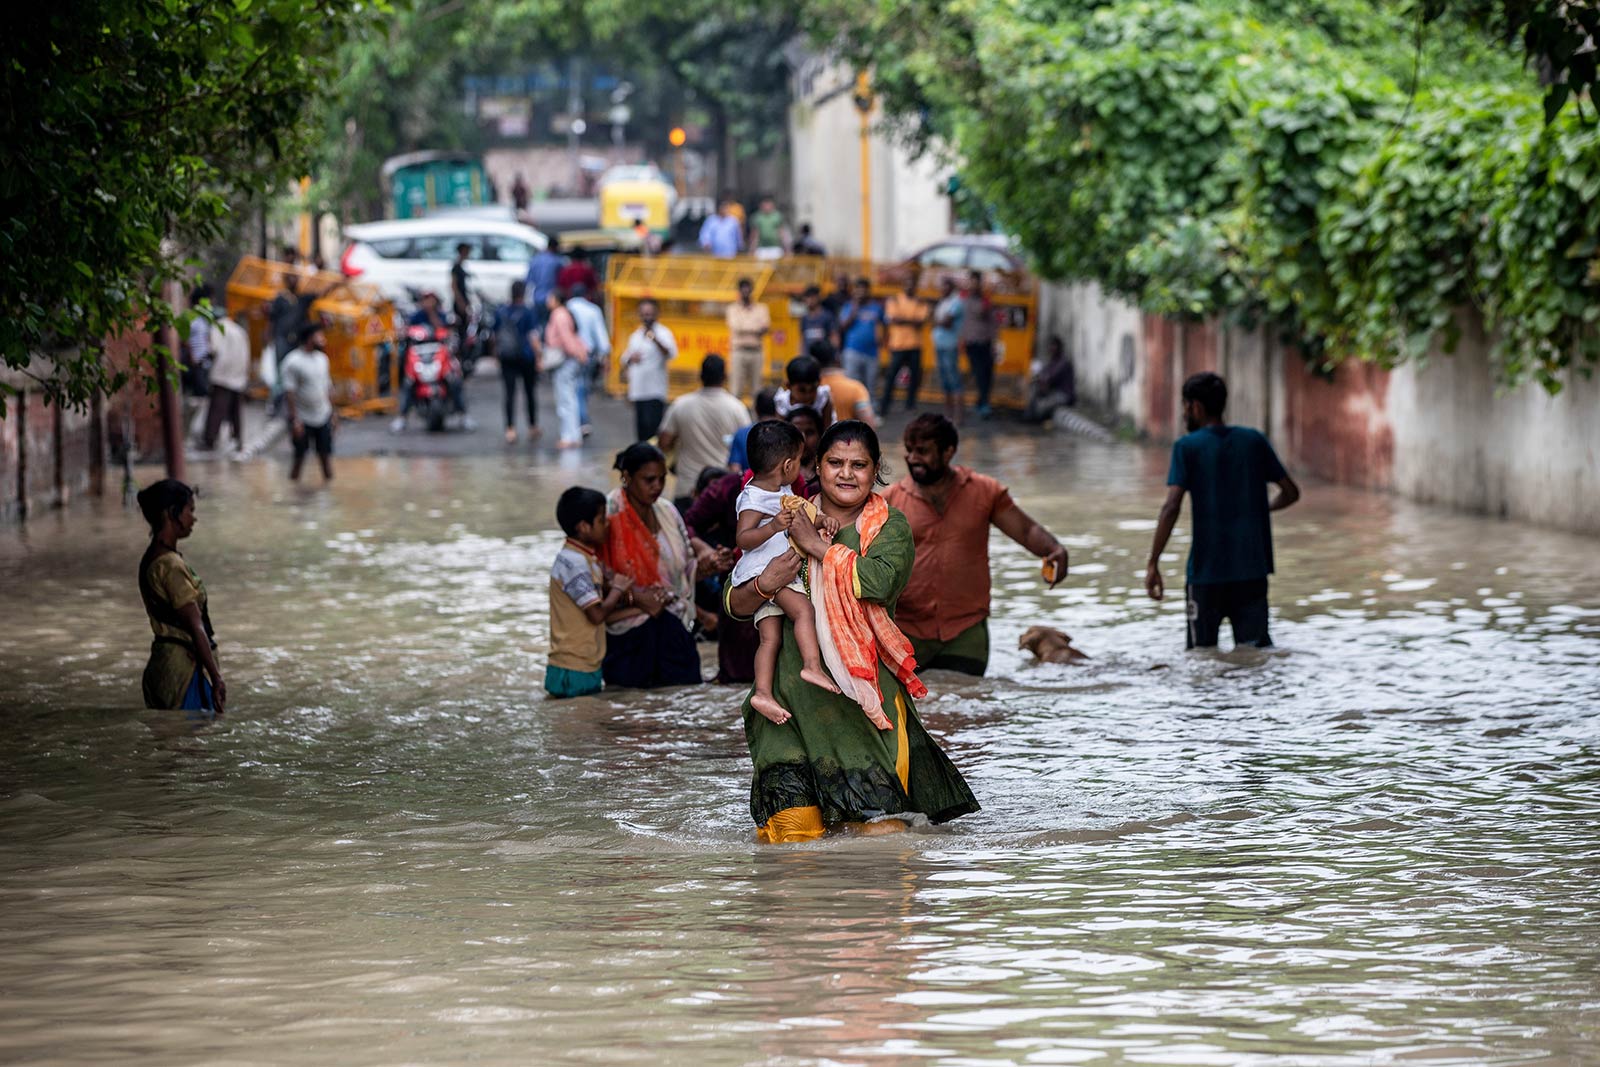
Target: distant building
[(909, 208)]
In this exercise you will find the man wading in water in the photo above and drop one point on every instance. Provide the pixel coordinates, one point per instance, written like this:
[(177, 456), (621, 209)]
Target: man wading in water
[(1226, 469)]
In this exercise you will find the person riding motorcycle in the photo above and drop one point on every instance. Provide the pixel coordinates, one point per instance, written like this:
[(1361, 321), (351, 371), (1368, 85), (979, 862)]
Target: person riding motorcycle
[(429, 314)]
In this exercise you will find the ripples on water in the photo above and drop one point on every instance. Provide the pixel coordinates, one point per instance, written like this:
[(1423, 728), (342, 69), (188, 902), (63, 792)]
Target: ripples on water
[(1376, 844)]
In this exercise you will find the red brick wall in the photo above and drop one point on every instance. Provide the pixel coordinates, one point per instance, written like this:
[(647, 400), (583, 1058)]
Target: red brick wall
[(48, 455), (1160, 384), (1336, 428), (1339, 428)]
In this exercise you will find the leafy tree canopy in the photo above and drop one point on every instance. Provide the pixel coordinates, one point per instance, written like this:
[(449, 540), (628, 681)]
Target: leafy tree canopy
[(133, 124), (1354, 171)]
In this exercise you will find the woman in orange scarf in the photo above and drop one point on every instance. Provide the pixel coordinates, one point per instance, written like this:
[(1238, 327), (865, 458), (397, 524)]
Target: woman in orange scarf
[(829, 764), (647, 540)]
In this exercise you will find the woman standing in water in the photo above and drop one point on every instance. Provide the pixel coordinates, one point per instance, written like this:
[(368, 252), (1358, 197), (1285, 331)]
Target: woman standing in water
[(828, 765), (182, 673), (647, 540)]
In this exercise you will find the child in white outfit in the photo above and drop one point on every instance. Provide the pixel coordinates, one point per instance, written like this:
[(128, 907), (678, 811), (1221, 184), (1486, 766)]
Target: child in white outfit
[(774, 450)]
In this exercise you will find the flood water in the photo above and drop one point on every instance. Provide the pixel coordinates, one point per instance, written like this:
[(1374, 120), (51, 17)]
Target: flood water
[(1376, 844)]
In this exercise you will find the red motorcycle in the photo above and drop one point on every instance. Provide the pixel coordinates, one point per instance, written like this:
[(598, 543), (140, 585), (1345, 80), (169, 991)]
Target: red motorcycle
[(430, 367)]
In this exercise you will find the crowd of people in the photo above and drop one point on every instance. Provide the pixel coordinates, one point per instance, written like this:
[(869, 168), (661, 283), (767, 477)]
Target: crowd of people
[(826, 587)]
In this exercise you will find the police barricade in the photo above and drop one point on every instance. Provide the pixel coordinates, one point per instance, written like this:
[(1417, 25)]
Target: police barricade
[(694, 291), (361, 328)]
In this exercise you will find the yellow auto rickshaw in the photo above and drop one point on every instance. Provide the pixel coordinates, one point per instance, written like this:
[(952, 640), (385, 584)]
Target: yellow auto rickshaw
[(629, 194)]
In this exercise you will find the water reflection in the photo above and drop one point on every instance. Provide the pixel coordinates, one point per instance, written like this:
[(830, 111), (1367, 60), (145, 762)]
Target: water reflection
[(1371, 845)]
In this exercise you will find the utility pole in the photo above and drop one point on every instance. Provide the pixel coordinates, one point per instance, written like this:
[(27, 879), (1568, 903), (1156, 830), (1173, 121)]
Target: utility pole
[(863, 101)]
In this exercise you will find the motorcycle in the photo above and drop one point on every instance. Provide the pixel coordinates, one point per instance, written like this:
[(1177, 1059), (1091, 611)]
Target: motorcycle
[(428, 364)]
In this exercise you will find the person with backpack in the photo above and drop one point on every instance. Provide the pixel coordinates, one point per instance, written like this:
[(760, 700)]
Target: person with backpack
[(516, 347)]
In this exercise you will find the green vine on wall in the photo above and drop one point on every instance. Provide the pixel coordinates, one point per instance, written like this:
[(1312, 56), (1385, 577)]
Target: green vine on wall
[(1348, 170)]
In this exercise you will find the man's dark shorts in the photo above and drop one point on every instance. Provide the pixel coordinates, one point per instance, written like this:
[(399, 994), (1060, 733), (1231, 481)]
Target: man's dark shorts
[(1244, 604), (318, 437), (966, 652)]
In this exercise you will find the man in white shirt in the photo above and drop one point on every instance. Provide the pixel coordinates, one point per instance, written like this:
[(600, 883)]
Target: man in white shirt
[(230, 373), (702, 423), (308, 392), (644, 363)]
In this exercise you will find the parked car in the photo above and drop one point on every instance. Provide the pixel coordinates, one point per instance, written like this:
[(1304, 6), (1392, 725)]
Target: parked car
[(955, 256), (402, 255)]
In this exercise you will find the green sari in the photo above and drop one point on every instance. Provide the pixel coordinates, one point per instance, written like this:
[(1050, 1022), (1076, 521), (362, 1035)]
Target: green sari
[(829, 756)]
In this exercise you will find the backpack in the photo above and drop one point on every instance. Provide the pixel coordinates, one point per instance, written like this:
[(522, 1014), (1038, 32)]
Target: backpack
[(510, 340)]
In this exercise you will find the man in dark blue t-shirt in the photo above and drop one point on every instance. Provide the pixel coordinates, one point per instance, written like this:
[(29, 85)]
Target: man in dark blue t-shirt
[(1226, 469)]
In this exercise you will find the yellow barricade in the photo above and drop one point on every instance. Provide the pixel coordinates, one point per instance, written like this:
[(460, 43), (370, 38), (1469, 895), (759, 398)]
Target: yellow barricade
[(361, 328), (695, 291)]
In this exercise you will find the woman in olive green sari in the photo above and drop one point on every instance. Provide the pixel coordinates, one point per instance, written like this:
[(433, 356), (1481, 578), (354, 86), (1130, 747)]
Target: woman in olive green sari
[(828, 766), (182, 673)]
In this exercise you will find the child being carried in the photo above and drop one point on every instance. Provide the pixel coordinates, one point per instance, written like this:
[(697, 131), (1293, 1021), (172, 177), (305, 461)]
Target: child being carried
[(774, 450)]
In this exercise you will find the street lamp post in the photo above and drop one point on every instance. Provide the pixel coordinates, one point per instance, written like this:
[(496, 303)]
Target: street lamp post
[(863, 101)]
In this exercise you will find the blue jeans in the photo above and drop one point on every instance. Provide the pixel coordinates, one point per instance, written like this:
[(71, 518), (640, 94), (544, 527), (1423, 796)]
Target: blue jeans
[(568, 378), (863, 367), (583, 397)]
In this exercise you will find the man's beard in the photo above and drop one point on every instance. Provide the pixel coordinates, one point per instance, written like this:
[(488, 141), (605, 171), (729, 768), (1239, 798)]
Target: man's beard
[(927, 475)]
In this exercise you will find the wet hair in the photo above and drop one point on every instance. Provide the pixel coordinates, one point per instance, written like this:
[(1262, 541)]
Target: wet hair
[(308, 331), (554, 245), (162, 500), (1208, 390), (203, 291), (847, 431), (561, 295), (637, 455), (652, 301), (766, 403), (463, 246), (713, 370), (803, 370), (772, 442), (862, 280), (823, 352), (931, 426), (577, 505), (519, 290), (744, 282), (707, 476), (804, 412), (811, 291)]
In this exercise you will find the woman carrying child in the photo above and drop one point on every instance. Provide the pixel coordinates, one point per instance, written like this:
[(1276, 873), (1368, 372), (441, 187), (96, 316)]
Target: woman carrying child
[(828, 765), (774, 449)]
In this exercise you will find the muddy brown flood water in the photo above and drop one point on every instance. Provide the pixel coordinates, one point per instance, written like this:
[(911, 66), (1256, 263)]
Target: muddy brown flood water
[(1376, 844)]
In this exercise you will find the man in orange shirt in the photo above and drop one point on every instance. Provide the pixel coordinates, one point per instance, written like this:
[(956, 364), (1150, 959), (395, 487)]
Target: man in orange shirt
[(907, 315), (849, 397), (945, 607)]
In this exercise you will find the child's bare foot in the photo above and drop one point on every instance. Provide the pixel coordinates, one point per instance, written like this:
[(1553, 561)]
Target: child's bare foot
[(819, 678), (770, 709)]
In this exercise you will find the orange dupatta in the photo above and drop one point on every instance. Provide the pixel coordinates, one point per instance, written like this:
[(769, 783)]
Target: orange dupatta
[(862, 632), (631, 548)]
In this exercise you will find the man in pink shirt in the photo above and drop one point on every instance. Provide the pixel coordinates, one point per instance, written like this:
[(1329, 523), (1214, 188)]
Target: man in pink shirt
[(945, 607)]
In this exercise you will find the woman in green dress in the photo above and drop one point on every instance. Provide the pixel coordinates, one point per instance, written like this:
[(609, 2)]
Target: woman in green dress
[(182, 673), (828, 766)]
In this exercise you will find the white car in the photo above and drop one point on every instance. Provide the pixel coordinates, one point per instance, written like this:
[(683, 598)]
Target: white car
[(405, 255)]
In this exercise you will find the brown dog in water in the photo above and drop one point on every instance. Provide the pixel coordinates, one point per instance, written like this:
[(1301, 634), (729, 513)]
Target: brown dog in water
[(1050, 646)]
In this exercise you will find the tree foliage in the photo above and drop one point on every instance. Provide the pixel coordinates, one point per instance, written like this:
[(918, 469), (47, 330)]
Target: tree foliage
[(401, 84), (133, 126), (1349, 170)]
